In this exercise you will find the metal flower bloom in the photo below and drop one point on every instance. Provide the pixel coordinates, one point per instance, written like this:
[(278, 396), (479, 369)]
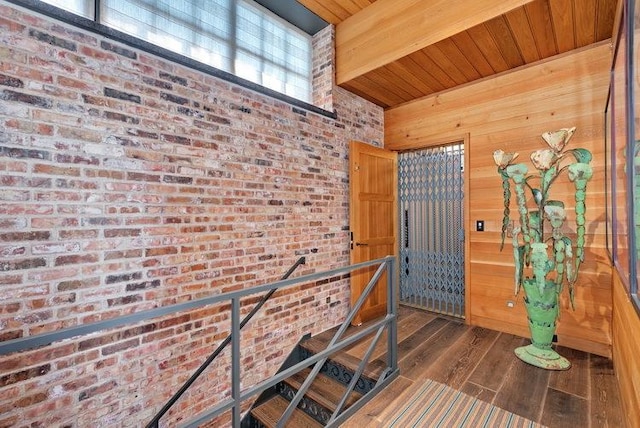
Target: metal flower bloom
[(543, 159), (555, 214), (580, 171), (503, 159), (557, 140), (517, 172)]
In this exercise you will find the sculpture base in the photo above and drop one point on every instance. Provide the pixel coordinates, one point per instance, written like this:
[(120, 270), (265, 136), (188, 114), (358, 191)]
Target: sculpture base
[(544, 358)]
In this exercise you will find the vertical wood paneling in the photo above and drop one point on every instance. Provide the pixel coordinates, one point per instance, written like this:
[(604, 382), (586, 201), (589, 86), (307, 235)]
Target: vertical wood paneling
[(394, 84), (420, 67), (470, 50), (445, 63), (510, 112), (450, 50), (433, 69), (501, 33), (523, 34), (562, 11), (626, 351), (489, 48), (366, 85), (408, 75), (606, 15), (585, 22), (539, 13), (333, 13)]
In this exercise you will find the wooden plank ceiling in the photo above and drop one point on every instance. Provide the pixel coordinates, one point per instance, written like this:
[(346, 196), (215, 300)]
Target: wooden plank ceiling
[(395, 51)]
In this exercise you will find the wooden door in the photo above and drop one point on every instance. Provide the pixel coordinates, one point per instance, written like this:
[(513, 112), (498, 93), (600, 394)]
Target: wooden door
[(373, 220)]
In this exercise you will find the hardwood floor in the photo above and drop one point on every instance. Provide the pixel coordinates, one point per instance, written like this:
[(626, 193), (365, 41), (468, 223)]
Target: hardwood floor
[(481, 363)]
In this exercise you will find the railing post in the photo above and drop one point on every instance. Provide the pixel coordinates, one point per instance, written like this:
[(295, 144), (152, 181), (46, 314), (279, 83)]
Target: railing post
[(392, 307), (235, 360)]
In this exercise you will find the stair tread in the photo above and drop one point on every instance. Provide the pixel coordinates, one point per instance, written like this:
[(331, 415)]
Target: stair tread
[(324, 390), (270, 412), (373, 370)]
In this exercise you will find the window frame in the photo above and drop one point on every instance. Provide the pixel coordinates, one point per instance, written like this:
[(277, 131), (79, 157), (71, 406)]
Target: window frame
[(633, 145), (621, 113), (92, 25)]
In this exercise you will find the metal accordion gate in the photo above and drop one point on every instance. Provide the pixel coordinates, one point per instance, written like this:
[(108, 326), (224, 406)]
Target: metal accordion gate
[(431, 199)]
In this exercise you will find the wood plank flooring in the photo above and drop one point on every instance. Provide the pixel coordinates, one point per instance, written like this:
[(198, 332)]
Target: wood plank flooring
[(481, 363)]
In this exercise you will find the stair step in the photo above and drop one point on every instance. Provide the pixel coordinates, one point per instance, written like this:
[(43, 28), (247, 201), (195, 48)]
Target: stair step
[(373, 370), (324, 390), (270, 412)]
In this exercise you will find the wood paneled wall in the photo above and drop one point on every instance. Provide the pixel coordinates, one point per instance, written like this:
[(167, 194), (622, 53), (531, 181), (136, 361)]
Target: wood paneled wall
[(626, 351), (510, 112)]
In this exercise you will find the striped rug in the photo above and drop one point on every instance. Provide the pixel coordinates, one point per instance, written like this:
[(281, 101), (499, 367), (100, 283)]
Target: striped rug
[(436, 405)]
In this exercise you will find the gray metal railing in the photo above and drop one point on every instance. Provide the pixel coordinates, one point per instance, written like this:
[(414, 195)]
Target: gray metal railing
[(388, 322), (156, 419), (336, 344)]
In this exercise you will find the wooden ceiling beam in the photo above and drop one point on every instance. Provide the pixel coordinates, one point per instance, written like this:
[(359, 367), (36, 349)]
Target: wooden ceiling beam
[(388, 30)]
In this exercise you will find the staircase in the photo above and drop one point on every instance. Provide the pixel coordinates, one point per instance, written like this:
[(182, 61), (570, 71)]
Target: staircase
[(324, 394), (340, 371)]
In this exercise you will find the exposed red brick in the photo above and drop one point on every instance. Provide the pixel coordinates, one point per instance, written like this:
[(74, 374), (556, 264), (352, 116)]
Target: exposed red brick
[(10, 421), (22, 264), (75, 259), (35, 317), (125, 300), (52, 39), (121, 346), (141, 183), (97, 390), (78, 234), (10, 81), (118, 49), (152, 252), (114, 233), (20, 376), (97, 54), (30, 399), (35, 100), (127, 254), (55, 170), (174, 321), (12, 26), (73, 83), (79, 383), (10, 335)]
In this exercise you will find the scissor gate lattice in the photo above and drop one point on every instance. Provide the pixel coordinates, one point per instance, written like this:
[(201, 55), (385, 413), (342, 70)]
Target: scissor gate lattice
[(432, 235)]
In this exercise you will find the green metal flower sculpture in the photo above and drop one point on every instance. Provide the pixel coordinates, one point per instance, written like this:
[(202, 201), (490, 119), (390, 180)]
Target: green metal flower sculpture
[(549, 254)]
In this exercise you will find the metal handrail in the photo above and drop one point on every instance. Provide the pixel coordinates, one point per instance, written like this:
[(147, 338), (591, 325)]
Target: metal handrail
[(391, 372), (280, 376), (343, 328), (356, 375), (156, 419), (238, 396), (42, 339)]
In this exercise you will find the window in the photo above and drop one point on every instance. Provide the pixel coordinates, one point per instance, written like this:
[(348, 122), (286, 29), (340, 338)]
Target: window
[(236, 36), (83, 8), (623, 151), (634, 144)]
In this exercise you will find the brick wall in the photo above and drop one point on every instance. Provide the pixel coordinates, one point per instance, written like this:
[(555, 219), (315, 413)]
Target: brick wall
[(323, 68), (130, 182)]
